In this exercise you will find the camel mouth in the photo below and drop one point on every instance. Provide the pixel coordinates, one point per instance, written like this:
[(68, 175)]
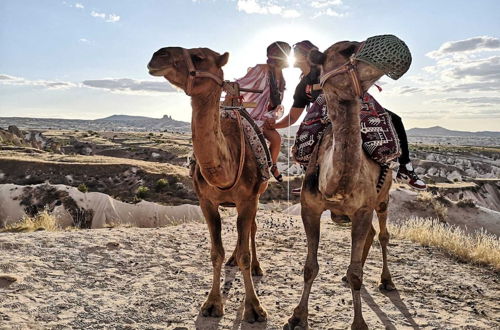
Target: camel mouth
[(157, 72)]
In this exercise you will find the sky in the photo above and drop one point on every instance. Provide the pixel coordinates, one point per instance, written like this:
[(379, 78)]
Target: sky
[(87, 59)]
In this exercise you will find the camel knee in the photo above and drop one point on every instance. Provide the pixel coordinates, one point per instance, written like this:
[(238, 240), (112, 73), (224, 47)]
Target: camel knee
[(384, 238), (355, 275), (244, 260), (310, 271), (217, 256)]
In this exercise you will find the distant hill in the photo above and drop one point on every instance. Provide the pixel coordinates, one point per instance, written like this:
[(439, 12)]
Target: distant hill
[(441, 131), (111, 123)]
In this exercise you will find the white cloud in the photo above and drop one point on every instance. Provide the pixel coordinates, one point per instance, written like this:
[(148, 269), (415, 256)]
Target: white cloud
[(11, 80), (265, 8), (79, 5), (112, 18), (130, 86), (471, 45), (84, 40), (325, 3)]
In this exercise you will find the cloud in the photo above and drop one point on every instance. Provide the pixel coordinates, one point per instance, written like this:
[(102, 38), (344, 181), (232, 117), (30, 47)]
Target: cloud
[(325, 3), (488, 68), (112, 18), (130, 86), (266, 8), (476, 44), (474, 100), (79, 5), (17, 81)]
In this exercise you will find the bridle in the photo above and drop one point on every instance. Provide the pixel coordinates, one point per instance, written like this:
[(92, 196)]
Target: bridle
[(348, 67), (193, 74)]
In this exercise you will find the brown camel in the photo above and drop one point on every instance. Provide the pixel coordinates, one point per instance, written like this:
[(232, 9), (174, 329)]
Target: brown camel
[(226, 169), (341, 178)]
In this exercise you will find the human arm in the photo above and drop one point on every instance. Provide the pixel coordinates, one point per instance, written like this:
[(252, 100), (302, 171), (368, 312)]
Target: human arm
[(290, 118)]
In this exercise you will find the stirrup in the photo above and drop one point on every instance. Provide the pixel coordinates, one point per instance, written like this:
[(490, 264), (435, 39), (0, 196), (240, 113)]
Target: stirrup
[(279, 177)]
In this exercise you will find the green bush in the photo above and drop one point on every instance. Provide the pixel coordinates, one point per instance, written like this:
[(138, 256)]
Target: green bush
[(161, 183), (83, 188), (142, 192)]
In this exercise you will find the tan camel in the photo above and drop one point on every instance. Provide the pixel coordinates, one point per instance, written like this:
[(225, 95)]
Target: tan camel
[(226, 169), (341, 178)]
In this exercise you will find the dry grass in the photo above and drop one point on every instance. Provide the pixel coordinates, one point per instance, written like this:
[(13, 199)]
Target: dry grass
[(479, 248), (427, 199), (42, 221)]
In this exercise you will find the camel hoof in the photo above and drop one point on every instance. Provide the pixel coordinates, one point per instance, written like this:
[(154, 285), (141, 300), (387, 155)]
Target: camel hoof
[(294, 323), (359, 325), (254, 313), (387, 286), (212, 308), (257, 271), (231, 262)]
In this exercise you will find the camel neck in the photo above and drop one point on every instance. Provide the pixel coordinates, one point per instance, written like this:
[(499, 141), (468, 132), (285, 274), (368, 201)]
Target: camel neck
[(347, 149), (209, 144)]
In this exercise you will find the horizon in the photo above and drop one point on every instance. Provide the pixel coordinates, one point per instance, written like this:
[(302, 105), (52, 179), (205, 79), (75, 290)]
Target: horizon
[(90, 57)]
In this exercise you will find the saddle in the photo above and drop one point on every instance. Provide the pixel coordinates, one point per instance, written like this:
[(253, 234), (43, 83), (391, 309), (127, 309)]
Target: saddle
[(379, 138)]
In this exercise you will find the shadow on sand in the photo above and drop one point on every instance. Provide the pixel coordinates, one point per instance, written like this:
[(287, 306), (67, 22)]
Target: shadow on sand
[(207, 323), (396, 300)]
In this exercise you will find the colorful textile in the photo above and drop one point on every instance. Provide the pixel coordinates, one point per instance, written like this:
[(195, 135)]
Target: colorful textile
[(379, 138), (258, 77), (310, 131), (254, 137)]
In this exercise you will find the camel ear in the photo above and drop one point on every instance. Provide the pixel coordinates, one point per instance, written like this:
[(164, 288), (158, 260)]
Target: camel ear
[(348, 51), (222, 60), (316, 57)]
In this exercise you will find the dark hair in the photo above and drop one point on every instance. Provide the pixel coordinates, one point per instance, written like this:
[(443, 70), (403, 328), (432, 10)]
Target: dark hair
[(304, 47), (278, 50)]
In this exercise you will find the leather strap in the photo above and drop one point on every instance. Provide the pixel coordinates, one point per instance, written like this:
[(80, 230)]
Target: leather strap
[(193, 73)]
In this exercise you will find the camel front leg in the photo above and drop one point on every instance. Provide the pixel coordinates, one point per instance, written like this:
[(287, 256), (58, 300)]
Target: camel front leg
[(311, 220), (386, 278), (213, 305), (246, 216), (361, 226)]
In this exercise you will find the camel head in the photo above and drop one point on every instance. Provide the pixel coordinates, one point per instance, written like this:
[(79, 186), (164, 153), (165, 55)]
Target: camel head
[(346, 62), (195, 70)]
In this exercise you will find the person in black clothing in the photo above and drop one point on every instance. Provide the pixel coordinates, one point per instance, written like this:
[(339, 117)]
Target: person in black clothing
[(308, 90)]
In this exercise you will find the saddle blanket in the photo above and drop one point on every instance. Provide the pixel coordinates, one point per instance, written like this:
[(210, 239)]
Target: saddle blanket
[(379, 138), (254, 136)]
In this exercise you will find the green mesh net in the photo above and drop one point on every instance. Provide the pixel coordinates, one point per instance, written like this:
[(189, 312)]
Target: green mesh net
[(387, 53)]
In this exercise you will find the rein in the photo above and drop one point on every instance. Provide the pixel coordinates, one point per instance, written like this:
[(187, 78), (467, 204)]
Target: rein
[(193, 74)]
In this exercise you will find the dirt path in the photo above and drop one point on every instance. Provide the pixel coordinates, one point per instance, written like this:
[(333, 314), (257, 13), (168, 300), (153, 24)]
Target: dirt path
[(130, 278)]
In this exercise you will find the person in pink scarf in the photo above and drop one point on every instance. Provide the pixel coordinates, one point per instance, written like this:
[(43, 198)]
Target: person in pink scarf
[(268, 78)]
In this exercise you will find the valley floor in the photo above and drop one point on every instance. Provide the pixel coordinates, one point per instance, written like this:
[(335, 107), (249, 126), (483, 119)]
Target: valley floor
[(131, 278)]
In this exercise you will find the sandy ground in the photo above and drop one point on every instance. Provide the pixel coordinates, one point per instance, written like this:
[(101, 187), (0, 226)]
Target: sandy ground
[(130, 278)]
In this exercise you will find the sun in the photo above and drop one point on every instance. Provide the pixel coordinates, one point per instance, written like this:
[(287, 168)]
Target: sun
[(291, 60)]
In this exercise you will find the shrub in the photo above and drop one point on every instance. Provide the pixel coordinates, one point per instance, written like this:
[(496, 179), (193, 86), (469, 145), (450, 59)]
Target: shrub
[(466, 203), (41, 221), (161, 183), (83, 188), (142, 192), (478, 248)]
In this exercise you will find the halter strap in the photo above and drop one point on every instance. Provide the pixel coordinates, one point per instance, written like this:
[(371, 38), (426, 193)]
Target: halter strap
[(193, 73), (348, 67)]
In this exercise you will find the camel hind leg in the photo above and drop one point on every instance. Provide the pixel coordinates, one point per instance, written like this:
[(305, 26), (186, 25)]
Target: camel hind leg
[(386, 278), (213, 305), (256, 269)]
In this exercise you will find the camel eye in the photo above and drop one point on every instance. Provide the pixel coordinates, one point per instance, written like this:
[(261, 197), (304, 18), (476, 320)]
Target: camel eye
[(196, 58)]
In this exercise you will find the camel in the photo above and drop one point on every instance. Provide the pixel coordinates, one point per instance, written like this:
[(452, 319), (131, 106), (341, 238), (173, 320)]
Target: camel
[(341, 178), (226, 170)]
